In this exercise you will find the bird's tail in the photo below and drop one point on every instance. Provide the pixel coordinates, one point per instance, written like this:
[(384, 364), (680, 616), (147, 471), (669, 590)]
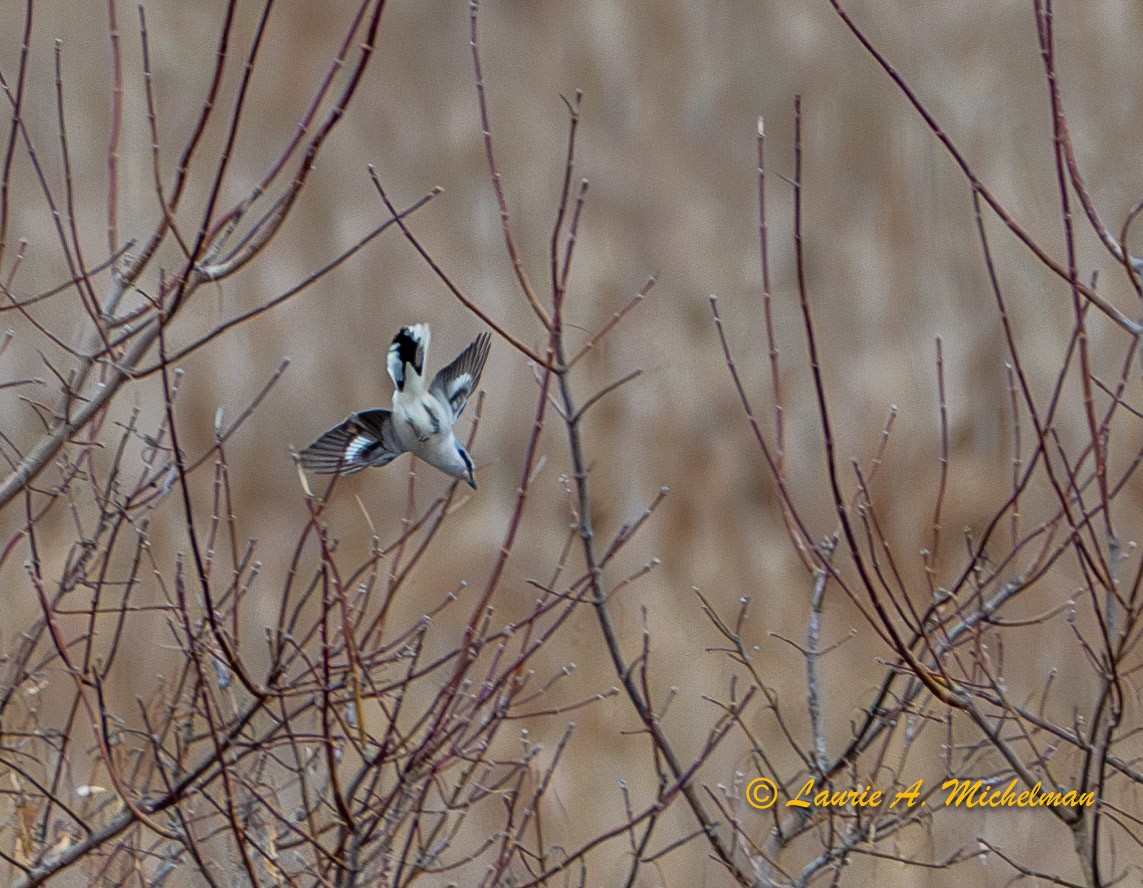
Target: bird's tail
[(410, 348)]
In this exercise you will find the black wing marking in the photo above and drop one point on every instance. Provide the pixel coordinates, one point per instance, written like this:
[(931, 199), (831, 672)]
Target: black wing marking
[(365, 439), (410, 346), (456, 382)]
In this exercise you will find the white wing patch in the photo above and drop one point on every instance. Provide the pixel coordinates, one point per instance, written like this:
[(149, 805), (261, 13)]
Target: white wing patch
[(356, 446), (460, 383)]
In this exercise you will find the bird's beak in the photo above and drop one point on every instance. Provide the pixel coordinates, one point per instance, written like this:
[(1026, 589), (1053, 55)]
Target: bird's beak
[(470, 479)]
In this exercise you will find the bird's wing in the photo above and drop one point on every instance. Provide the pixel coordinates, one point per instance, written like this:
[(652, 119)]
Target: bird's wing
[(410, 347), (456, 382), (364, 439)]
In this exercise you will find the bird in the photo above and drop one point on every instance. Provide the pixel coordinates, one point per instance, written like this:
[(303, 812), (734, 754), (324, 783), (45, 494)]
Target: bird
[(421, 421)]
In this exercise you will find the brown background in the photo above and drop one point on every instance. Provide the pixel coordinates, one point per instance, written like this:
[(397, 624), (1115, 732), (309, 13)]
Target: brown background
[(672, 94)]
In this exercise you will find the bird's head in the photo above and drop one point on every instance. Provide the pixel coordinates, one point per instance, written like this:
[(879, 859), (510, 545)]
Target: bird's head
[(466, 471)]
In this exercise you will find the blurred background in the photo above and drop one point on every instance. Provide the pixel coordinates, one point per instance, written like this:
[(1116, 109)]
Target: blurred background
[(672, 95)]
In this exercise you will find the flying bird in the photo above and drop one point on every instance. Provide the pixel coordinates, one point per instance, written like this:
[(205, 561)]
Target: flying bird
[(422, 418)]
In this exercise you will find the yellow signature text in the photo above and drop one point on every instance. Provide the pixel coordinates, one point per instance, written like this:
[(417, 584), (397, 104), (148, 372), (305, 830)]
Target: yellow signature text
[(962, 793), (975, 794), (836, 798)]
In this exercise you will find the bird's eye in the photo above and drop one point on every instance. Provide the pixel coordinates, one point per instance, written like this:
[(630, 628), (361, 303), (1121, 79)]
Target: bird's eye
[(464, 456)]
